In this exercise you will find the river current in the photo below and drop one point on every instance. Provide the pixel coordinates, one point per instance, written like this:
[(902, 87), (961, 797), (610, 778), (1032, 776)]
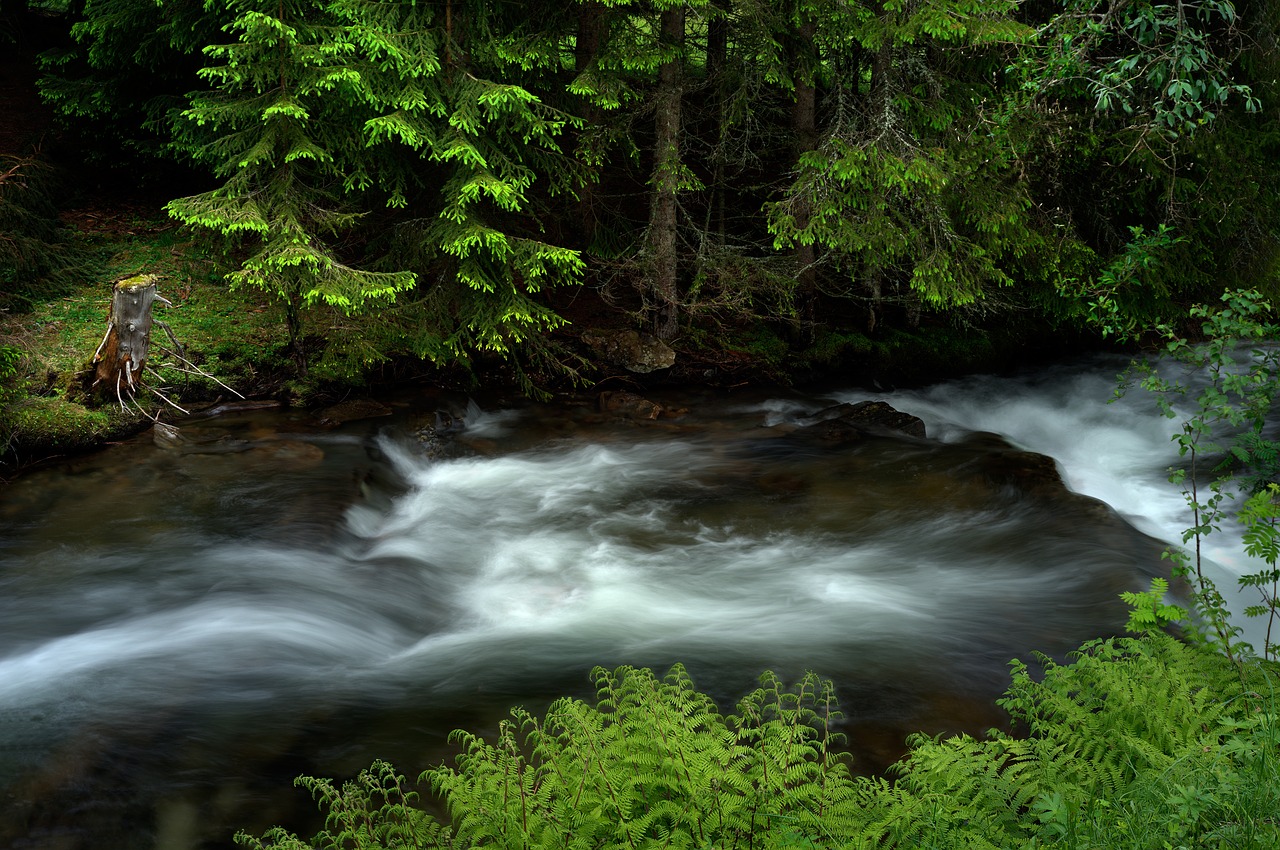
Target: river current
[(184, 629)]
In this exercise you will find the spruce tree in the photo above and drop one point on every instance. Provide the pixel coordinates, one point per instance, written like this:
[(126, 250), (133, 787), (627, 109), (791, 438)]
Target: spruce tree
[(328, 111), (286, 114), (475, 159), (885, 190), (121, 75)]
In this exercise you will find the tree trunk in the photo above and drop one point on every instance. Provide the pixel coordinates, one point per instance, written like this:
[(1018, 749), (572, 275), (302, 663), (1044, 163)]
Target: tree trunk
[(666, 180), (293, 321), (872, 286), (122, 355), (881, 117), (591, 32), (804, 126), (717, 72)]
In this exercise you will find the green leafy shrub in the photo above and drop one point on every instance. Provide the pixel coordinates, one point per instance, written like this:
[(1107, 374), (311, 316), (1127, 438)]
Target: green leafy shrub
[(1140, 742), (653, 762), (1229, 376)]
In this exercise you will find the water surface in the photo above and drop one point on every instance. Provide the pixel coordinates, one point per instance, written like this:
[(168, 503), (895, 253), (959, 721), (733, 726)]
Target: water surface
[(184, 630)]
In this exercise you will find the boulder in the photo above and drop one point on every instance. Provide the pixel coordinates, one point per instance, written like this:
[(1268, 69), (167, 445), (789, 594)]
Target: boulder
[(633, 351), (845, 423), (998, 462)]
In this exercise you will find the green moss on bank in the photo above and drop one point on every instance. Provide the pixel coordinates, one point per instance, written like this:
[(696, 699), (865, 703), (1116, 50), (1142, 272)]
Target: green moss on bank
[(38, 427)]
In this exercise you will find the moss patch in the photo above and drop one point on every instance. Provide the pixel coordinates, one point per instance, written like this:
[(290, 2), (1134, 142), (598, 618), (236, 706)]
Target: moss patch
[(36, 427)]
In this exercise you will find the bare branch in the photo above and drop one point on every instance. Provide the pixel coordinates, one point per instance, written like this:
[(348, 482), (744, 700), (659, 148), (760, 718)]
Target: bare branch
[(199, 371), (166, 400)]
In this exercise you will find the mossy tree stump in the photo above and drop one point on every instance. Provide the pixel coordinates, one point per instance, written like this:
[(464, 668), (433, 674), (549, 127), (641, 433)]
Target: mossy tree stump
[(121, 356)]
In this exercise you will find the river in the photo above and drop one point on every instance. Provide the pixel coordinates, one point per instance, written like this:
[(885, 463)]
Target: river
[(183, 630)]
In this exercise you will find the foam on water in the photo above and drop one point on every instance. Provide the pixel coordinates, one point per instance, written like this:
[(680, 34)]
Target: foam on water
[(1117, 449)]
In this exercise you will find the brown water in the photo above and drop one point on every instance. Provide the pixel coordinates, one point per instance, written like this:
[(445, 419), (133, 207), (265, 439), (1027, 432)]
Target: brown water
[(183, 630)]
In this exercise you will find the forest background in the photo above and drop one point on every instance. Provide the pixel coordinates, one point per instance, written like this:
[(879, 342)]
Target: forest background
[(901, 186)]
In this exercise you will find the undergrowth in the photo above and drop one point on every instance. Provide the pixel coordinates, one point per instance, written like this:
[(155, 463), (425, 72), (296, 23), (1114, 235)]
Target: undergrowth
[(38, 257), (1140, 743)]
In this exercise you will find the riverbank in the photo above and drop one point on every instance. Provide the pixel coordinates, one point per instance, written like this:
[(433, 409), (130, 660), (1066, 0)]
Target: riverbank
[(55, 295), (234, 343)]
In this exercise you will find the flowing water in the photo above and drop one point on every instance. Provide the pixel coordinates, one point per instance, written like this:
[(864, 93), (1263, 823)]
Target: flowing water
[(183, 630)]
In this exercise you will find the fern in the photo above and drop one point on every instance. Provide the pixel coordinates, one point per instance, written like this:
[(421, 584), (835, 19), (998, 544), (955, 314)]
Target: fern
[(1139, 742), (374, 810), (1104, 742)]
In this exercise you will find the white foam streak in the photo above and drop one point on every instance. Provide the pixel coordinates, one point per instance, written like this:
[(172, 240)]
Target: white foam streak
[(1119, 450)]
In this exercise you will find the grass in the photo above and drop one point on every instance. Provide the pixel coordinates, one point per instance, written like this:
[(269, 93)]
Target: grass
[(237, 336)]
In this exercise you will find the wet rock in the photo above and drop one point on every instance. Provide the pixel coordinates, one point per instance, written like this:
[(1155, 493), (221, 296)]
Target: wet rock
[(1027, 471), (781, 483), (1003, 464), (847, 423), (442, 433), (351, 410), (629, 405), (288, 454), (631, 350), (167, 436), (446, 423), (216, 443)]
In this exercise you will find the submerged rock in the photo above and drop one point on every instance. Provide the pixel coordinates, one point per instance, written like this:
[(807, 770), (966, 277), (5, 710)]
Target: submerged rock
[(242, 406), (846, 423), (629, 405), (167, 436), (351, 411)]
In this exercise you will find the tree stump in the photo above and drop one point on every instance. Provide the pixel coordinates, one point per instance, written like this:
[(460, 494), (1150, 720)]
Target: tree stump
[(123, 353)]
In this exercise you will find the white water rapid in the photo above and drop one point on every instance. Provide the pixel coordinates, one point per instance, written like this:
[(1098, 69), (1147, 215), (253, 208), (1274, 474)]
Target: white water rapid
[(1117, 449), (184, 630)]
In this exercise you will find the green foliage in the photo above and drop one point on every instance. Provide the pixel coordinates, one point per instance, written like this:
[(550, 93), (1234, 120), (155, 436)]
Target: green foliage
[(652, 763), (1165, 66), (1138, 743), (1141, 122), (327, 110), (374, 810), (1232, 378), (271, 112), (1093, 738), (1129, 294), (1148, 611), (10, 388), (1260, 516), (36, 426), (443, 165), (896, 190), (36, 259), (123, 78)]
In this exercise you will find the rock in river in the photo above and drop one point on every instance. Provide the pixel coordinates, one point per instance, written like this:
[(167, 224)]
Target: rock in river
[(846, 423)]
